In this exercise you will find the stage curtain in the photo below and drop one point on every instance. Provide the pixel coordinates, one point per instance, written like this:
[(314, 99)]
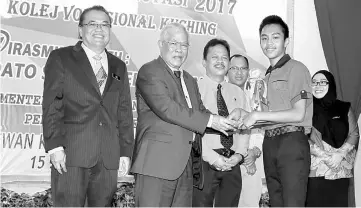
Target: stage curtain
[(340, 31)]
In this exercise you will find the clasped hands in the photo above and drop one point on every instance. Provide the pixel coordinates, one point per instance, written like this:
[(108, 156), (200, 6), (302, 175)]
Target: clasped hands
[(334, 159), (237, 119), (331, 159), (226, 164)]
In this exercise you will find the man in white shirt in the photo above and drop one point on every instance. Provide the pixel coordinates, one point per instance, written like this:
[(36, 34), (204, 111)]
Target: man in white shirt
[(238, 74), (221, 154)]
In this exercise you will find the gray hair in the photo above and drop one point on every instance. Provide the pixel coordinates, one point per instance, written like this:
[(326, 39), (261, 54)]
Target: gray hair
[(170, 26)]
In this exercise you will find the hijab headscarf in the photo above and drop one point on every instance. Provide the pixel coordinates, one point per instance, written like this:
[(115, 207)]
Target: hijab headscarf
[(330, 116)]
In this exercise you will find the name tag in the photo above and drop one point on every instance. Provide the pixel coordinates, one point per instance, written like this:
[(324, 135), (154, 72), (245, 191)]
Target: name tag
[(116, 76)]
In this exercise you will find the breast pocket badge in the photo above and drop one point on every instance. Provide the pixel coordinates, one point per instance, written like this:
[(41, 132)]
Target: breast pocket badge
[(116, 76)]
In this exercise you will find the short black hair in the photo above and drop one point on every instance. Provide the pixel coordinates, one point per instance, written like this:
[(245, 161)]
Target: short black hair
[(274, 19), (215, 42), (239, 56), (95, 8)]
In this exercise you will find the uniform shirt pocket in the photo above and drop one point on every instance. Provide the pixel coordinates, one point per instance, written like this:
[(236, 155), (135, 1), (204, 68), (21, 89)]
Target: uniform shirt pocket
[(280, 84)]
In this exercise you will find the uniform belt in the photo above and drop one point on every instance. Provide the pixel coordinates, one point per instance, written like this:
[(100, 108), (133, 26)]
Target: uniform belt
[(283, 130)]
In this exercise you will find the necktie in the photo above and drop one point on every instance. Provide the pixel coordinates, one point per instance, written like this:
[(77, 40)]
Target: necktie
[(269, 70), (178, 75), (226, 141), (100, 75)]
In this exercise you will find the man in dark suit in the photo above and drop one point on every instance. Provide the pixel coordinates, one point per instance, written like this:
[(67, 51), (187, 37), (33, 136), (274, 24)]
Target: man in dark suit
[(87, 116), (170, 117)]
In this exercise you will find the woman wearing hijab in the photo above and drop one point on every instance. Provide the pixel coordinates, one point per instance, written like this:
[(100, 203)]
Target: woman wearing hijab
[(333, 139)]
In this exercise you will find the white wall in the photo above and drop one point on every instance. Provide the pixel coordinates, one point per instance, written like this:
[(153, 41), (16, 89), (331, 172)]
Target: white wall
[(307, 41), (307, 46), (249, 15)]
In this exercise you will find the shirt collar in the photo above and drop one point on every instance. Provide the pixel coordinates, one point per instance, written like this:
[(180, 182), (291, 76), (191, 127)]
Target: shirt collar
[(91, 53), (212, 83), (279, 64), (172, 68)]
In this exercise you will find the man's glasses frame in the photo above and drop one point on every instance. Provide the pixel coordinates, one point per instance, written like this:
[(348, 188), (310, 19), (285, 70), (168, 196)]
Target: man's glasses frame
[(239, 69), (93, 25), (173, 45)]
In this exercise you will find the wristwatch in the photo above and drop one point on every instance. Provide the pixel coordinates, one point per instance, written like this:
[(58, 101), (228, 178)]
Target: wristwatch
[(243, 156)]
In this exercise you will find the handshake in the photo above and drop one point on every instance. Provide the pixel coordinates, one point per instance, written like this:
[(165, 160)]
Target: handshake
[(233, 122)]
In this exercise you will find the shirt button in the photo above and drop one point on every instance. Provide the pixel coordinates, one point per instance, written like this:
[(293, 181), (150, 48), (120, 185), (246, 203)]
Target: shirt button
[(101, 103), (100, 124)]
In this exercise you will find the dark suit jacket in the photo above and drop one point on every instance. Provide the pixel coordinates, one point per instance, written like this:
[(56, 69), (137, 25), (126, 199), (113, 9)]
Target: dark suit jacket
[(165, 123), (76, 116)]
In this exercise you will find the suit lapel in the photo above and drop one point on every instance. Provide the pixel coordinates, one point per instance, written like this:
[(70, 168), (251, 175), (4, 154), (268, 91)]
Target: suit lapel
[(111, 70), (165, 66), (191, 89), (175, 79), (84, 64)]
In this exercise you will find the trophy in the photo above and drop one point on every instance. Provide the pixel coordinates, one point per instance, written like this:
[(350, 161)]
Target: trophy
[(256, 90)]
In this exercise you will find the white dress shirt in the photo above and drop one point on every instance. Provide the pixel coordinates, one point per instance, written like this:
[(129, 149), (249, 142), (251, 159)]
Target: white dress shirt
[(104, 61), (234, 98)]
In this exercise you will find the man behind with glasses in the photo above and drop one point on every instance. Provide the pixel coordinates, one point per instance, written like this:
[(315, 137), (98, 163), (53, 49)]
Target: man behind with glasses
[(252, 168)]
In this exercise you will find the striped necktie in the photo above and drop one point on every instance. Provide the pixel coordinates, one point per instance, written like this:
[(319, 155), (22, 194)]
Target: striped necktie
[(100, 75), (226, 141)]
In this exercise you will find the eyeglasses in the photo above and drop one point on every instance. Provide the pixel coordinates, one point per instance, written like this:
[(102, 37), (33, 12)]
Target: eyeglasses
[(239, 69), (321, 83), (93, 25), (174, 45)]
